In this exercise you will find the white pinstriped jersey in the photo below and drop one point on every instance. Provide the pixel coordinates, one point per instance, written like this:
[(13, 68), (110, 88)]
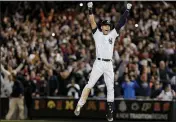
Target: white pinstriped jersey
[(105, 43)]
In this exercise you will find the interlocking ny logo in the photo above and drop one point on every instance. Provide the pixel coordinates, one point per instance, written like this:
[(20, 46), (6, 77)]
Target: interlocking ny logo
[(110, 40)]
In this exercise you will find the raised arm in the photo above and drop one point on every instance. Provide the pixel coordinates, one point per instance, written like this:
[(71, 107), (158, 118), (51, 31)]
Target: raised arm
[(123, 18), (6, 73), (91, 16), (18, 68)]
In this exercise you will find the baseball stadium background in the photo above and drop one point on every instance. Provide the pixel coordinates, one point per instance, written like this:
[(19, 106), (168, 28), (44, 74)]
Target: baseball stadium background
[(55, 38)]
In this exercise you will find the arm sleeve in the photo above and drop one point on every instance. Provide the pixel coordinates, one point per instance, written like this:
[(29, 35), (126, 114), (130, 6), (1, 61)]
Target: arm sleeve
[(122, 20), (92, 19), (94, 30)]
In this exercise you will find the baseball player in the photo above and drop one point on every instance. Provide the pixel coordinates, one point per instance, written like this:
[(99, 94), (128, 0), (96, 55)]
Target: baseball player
[(104, 42)]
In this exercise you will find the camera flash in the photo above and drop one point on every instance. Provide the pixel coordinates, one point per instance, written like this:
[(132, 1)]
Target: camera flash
[(136, 25), (53, 34)]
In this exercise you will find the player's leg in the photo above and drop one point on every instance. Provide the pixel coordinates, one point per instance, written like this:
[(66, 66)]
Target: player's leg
[(109, 80), (94, 76)]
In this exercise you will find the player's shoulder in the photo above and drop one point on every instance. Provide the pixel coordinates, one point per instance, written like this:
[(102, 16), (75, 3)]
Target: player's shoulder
[(113, 32), (97, 32)]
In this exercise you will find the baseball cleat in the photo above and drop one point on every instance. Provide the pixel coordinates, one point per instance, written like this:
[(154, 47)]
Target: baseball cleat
[(109, 118), (77, 110), (109, 114)]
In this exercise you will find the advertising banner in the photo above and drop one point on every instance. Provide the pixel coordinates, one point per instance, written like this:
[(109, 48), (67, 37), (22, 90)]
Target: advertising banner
[(144, 110), (123, 109), (65, 108)]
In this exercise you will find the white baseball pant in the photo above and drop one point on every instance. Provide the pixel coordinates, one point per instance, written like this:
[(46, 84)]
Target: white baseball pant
[(99, 68)]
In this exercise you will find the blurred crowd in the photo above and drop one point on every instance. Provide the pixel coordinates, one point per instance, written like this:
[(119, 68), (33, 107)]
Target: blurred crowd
[(53, 45)]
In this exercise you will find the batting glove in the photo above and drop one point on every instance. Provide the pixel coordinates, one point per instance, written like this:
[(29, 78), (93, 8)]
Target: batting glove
[(129, 5), (90, 4)]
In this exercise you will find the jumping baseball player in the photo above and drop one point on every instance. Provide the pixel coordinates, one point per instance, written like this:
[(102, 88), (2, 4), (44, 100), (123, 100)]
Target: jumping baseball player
[(104, 42)]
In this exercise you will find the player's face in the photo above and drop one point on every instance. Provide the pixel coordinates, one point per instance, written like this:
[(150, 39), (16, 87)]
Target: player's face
[(105, 29)]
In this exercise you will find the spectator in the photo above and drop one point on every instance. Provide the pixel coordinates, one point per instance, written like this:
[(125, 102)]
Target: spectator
[(101, 91), (16, 100), (160, 55), (53, 83), (154, 71), (7, 80), (6, 87), (129, 87), (173, 83), (29, 92), (167, 93), (156, 90), (50, 37), (73, 89), (43, 87), (164, 76), (144, 90), (117, 85)]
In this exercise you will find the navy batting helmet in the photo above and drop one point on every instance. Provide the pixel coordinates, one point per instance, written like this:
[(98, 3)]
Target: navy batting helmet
[(106, 22)]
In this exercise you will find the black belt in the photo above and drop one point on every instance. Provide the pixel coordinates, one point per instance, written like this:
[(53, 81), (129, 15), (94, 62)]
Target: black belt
[(104, 59)]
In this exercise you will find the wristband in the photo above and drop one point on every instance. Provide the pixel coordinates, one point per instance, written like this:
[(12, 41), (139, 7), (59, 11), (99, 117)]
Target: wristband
[(90, 11)]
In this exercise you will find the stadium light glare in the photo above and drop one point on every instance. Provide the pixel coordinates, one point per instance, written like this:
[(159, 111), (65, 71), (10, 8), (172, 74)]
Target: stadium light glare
[(53, 34), (81, 4), (136, 25)]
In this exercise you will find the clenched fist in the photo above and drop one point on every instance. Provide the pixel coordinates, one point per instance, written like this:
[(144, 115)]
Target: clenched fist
[(129, 5), (90, 4)]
